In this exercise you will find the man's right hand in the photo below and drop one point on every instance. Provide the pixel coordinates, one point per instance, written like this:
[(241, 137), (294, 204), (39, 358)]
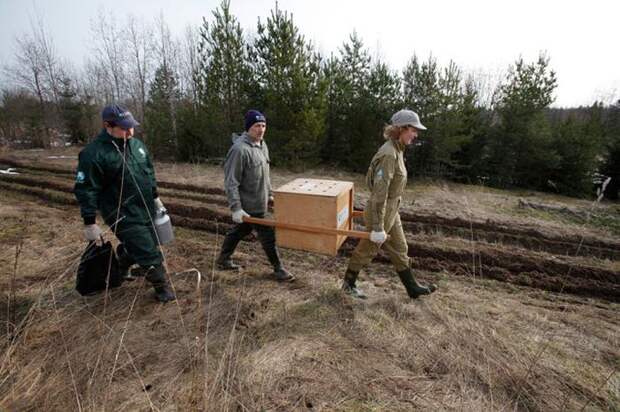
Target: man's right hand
[(92, 232), (238, 216), (378, 237)]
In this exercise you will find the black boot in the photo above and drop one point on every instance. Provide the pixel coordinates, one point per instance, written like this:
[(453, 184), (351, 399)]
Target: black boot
[(124, 262), (157, 276), (267, 239), (224, 261), (348, 285), (283, 275), (414, 289)]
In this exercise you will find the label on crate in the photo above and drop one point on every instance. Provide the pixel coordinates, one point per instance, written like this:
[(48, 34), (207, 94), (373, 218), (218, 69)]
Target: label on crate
[(342, 216)]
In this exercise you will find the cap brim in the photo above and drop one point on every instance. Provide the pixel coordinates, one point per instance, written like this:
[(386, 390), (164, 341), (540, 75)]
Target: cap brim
[(128, 123), (418, 126)]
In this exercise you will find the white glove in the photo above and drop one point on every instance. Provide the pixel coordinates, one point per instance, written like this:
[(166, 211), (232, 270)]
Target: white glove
[(92, 232), (159, 206), (238, 216), (378, 237)]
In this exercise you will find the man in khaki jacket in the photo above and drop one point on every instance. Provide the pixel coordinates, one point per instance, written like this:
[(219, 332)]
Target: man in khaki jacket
[(386, 179)]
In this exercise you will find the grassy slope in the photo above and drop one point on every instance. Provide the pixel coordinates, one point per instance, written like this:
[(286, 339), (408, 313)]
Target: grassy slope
[(241, 341)]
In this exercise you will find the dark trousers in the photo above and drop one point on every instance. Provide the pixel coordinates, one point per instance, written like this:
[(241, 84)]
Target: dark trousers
[(139, 245), (266, 236)]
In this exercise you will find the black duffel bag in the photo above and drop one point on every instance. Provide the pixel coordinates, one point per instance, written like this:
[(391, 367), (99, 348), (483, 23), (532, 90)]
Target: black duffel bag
[(92, 275)]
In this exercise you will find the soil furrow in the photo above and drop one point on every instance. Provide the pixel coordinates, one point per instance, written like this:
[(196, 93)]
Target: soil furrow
[(519, 267), (490, 232)]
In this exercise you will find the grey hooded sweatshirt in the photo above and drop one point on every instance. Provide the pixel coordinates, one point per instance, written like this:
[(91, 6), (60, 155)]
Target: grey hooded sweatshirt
[(246, 175)]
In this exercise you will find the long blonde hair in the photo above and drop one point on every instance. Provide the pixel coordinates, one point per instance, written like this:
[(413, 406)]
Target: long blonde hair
[(392, 132)]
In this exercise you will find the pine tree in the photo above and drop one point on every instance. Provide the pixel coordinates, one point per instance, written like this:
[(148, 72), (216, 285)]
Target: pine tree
[(71, 112), (611, 165), (345, 75), (160, 117), (225, 77), (362, 95), (578, 144), (470, 137), (191, 124), (376, 106), (521, 151), (350, 78), (447, 107), (292, 89), (335, 142)]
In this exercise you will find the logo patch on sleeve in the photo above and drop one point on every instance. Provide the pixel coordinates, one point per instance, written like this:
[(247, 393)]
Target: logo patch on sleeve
[(142, 152), (379, 174), (80, 177)]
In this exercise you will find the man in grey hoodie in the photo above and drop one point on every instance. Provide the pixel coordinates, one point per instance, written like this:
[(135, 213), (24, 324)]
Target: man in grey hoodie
[(248, 188)]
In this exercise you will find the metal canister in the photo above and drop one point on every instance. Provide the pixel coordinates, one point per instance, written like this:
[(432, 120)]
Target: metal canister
[(163, 227)]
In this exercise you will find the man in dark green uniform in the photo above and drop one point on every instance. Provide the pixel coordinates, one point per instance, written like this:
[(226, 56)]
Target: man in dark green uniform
[(115, 176)]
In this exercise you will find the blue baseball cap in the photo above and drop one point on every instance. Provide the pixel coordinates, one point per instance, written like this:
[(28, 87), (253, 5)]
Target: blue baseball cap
[(119, 116)]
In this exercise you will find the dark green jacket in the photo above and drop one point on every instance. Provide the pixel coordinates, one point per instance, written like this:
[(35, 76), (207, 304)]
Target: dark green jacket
[(100, 177)]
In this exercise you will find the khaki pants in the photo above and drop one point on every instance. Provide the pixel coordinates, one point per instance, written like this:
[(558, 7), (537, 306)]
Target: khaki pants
[(395, 247)]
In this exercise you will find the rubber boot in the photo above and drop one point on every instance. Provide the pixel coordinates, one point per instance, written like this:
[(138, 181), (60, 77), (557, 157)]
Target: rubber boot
[(414, 289), (348, 285), (157, 276), (224, 261), (268, 242), (124, 262), (283, 275)]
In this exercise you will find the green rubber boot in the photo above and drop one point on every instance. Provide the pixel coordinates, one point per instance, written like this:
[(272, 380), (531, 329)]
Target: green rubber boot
[(414, 289), (348, 285), (157, 276)]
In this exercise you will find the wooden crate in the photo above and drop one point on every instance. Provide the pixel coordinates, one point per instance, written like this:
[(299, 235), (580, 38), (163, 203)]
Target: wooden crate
[(313, 202)]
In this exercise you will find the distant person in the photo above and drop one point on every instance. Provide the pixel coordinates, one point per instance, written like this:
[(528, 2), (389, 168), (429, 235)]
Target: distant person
[(386, 179), (248, 187), (115, 176)]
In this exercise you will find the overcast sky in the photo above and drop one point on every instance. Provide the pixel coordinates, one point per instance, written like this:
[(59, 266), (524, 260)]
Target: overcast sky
[(581, 37)]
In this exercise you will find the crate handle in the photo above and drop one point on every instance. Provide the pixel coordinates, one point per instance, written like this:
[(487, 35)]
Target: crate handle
[(311, 229)]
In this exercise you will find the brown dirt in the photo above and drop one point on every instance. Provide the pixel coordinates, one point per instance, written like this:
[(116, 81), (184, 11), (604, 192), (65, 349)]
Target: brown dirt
[(529, 265), (240, 341), (528, 238)]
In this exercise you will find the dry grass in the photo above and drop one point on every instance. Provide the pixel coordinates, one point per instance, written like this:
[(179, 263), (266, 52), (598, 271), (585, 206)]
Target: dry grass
[(243, 342), (240, 341)]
